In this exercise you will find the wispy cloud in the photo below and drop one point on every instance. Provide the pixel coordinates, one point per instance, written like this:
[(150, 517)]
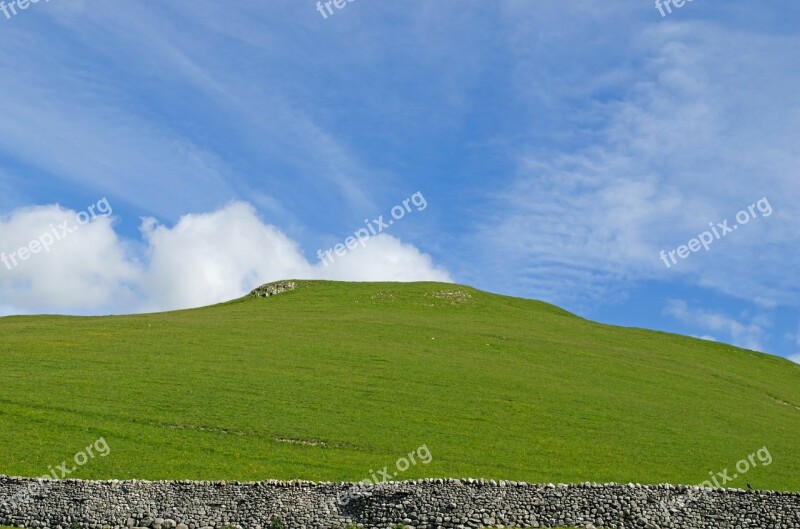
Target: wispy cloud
[(748, 335), (692, 136), (108, 128)]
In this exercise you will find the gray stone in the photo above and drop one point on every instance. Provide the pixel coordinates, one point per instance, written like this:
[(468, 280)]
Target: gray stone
[(272, 289), (423, 504)]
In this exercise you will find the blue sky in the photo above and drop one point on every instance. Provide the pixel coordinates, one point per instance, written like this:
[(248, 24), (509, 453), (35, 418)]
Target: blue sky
[(559, 147)]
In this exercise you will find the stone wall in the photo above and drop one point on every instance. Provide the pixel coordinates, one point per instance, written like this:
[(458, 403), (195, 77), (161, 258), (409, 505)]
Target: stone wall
[(421, 504)]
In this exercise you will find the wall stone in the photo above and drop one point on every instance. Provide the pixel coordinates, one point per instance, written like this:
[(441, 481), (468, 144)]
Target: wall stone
[(421, 504)]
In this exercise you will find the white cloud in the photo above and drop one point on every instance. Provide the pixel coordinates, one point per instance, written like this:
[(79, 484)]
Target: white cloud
[(748, 335), (211, 257), (202, 259), (384, 258), (795, 358), (87, 269)]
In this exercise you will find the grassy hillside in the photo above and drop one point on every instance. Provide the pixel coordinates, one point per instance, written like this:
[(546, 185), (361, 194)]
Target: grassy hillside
[(333, 380)]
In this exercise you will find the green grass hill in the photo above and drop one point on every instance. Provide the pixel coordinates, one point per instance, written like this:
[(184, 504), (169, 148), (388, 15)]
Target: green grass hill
[(331, 381)]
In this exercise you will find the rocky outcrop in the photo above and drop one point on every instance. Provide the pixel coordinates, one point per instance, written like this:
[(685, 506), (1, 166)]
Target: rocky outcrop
[(273, 289)]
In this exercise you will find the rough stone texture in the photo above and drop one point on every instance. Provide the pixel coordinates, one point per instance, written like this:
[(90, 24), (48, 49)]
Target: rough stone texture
[(422, 504), (272, 289)]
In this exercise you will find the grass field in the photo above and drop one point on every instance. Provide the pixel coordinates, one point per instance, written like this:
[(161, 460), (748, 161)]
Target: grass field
[(333, 380)]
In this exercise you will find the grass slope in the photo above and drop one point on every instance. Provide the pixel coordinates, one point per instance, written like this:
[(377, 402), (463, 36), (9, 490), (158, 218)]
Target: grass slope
[(496, 387)]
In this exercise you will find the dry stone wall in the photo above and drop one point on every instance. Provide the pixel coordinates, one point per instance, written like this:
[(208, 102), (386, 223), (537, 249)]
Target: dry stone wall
[(423, 504)]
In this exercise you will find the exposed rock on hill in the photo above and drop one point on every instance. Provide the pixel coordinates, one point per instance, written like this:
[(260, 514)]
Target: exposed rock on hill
[(272, 289)]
